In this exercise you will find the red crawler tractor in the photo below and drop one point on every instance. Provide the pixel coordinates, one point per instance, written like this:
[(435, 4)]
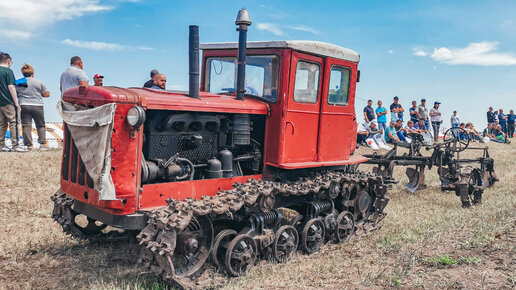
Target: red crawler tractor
[(258, 163)]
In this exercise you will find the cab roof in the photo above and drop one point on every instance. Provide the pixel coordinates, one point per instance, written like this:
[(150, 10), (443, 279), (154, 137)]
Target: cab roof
[(313, 47)]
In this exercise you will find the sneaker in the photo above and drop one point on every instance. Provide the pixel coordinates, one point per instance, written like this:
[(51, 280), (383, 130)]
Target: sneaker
[(5, 149), (43, 148), (19, 149)]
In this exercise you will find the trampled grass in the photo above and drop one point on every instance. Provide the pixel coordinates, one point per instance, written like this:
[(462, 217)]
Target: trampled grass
[(427, 240)]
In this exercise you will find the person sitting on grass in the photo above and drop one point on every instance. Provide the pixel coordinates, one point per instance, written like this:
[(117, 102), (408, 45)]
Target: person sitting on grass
[(421, 127), (362, 134), (372, 129), (401, 132), (489, 132), (390, 134), (500, 135), (472, 132)]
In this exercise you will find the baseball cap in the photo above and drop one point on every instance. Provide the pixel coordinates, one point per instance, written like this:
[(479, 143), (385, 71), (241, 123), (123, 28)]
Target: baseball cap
[(437, 103), (423, 100), (396, 97), (98, 76), (374, 122)]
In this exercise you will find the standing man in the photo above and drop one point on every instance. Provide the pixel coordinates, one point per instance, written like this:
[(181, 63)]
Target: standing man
[(98, 80), (511, 118), (369, 114), (435, 117), (8, 103), (414, 113), (160, 82), (381, 113), (502, 118), (423, 112), (150, 82), (74, 75), (491, 116), (396, 110), (455, 122)]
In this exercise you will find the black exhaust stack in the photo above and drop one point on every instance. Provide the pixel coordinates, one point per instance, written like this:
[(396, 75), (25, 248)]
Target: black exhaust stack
[(193, 55), (243, 21)]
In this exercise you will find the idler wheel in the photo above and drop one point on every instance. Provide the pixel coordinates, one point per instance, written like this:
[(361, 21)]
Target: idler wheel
[(334, 190), (345, 226), (193, 246), (220, 246), (266, 203), (362, 202), (241, 255), (312, 237), (285, 243)]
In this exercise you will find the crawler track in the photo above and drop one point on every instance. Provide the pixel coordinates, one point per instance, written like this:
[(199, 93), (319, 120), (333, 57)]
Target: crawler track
[(358, 199), (92, 231)]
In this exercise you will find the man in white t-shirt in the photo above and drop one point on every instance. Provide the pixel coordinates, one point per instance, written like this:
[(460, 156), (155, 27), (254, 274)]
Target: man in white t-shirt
[(435, 117)]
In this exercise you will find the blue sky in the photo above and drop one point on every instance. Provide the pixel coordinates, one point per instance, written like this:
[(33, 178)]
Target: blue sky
[(462, 53)]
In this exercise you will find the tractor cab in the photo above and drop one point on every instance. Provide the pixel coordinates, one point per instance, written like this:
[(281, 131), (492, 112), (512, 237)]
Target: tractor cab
[(310, 89)]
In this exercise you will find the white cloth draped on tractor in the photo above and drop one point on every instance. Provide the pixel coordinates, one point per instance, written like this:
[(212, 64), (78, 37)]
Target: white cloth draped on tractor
[(91, 130)]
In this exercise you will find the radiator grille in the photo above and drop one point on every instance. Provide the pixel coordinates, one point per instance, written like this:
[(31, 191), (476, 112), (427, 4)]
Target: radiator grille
[(73, 168)]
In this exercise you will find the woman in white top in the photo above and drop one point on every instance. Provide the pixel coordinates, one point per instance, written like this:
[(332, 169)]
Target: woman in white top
[(31, 92)]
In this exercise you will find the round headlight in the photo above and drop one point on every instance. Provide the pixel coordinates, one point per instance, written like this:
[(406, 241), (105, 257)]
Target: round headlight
[(135, 117)]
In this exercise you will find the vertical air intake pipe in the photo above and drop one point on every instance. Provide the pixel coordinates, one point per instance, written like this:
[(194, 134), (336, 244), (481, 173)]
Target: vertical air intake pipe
[(193, 55), (243, 21)]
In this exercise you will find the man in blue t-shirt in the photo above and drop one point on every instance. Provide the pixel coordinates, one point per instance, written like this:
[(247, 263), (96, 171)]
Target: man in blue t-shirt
[(511, 118), (502, 119), (414, 112), (369, 114), (381, 113)]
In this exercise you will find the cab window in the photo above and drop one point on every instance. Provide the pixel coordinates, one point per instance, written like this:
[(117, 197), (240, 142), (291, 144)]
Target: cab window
[(338, 92), (306, 86), (261, 76)]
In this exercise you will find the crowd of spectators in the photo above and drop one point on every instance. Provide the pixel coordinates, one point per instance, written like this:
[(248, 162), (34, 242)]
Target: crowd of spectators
[(21, 101), (425, 124)]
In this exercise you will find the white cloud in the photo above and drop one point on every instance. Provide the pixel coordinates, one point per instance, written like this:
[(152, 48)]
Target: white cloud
[(477, 53), (303, 28), (96, 45), (418, 52), (14, 34), (28, 16), (279, 30), (273, 28)]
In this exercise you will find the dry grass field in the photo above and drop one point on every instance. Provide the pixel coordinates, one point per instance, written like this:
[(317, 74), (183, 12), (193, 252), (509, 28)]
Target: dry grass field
[(426, 240)]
